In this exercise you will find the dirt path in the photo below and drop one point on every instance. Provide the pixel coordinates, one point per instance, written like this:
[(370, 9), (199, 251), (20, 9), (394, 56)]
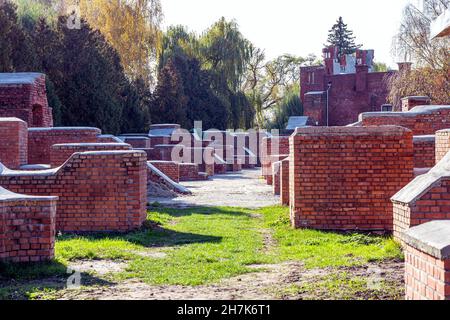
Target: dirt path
[(242, 189), (265, 283)]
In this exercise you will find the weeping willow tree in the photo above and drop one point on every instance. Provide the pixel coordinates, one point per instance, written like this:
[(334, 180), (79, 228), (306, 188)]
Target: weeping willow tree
[(225, 53)]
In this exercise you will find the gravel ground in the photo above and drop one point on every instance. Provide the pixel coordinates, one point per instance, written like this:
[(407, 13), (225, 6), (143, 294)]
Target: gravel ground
[(242, 189)]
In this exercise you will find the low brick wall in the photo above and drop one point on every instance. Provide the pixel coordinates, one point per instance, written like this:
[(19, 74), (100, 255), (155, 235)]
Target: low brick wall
[(169, 168), (41, 140), (422, 120), (137, 142), (276, 177), (98, 191), (424, 151), (190, 172), (270, 147), (284, 182), (442, 144), (13, 142), (27, 227), (341, 178), (427, 261), (424, 199), (269, 171), (60, 153)]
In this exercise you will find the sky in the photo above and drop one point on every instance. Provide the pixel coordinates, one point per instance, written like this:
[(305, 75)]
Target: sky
[(297, 27)]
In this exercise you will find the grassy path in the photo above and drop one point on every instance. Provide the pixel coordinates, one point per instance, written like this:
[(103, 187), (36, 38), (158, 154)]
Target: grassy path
[(203, 246)]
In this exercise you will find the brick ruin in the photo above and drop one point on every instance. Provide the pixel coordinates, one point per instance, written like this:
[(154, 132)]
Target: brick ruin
[(24, 96), (354, 178)]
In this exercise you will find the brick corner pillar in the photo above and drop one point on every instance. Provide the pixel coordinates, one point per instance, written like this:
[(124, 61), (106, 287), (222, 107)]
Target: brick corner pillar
[(13, 142), (424, 199), (442, 144), (27, 227), (342, 178), (427, 261), (409, 103)]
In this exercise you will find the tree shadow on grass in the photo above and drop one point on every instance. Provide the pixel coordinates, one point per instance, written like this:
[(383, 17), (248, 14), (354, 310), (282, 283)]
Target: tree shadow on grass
[(19, 280), (188, 211), (151, 235)]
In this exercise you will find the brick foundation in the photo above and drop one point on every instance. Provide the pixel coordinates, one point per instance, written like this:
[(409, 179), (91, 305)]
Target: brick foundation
[(98, 191), (341, 178), (27, 226), (41, 140), (13, 142)]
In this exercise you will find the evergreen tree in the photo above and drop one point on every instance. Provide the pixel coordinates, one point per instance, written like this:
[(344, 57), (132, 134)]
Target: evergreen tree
[(169, 101), (341, 37)]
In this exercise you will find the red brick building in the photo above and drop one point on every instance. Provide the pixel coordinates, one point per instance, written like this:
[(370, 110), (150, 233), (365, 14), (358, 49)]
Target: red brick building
[(349, 84), (24, 96)]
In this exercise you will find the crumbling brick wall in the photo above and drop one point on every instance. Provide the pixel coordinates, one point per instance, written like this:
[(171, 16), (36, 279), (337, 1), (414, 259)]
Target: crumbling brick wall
[(98, 191), (23, 95), (41, 140), (13, 142), (60, 153), (341, 178), (424, 151), (27, 227)]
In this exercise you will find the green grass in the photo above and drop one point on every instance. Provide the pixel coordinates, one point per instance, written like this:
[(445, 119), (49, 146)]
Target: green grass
[(318, 249), (205, 245)]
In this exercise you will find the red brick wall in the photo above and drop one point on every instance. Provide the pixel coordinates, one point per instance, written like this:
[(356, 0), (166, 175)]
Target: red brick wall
[(273, 149), (27, 226), (27, 102), (342, 178), (41, 140), (276, 177), (426, 277), (169, 168), (424, 151), (98, 191), (190, 172), (60, 153), (434, 204), (284, 182), (137, 142), (13, 142), (350, 95), (420, 121), (442, 144)]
